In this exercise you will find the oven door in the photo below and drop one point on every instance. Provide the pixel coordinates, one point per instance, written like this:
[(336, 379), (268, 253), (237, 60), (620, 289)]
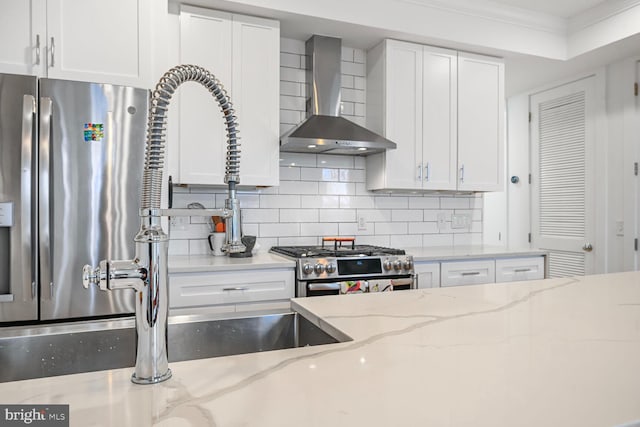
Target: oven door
[(354, 286)]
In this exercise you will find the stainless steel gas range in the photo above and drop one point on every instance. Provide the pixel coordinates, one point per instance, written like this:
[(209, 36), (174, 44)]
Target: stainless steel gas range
[(342, 268)]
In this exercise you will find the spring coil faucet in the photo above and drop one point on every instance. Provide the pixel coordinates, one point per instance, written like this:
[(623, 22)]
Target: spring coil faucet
[(147, 274)]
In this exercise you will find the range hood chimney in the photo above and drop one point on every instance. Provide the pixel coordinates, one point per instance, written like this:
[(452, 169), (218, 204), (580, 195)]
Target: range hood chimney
[(324, 131)]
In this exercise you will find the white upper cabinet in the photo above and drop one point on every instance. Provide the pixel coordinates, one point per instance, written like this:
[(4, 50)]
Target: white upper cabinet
[(86, 40), (243, 53), (441, 112), (480, 123)]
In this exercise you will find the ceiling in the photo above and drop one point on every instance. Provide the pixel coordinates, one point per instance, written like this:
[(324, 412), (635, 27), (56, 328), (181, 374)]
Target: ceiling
[(559, 8)]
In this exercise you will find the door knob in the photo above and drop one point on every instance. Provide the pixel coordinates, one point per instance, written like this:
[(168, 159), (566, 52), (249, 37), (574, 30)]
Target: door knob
[(587, 247)]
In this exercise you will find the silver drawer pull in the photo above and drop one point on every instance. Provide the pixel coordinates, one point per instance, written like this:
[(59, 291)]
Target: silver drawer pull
[(521, 270), (470, 273), (237, 288)]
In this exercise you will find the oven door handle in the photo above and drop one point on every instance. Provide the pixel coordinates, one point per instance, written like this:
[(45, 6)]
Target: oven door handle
[(323, 286)]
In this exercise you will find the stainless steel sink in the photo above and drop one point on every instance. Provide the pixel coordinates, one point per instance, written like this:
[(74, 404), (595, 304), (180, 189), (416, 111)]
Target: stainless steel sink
[(34, 352)]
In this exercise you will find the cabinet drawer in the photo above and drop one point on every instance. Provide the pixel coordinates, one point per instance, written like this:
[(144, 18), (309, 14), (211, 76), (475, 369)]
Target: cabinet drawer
[(205, 289), (427, 275), (516, 269), (467, 272)]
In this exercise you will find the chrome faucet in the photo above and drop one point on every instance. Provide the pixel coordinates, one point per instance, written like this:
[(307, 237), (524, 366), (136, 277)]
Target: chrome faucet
[(147, 274)]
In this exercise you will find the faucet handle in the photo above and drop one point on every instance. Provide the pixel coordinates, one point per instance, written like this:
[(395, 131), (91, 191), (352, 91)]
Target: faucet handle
[(95, 276)]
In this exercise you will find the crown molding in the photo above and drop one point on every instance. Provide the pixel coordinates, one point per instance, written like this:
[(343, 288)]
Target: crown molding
[(499, 12), (600, 13)]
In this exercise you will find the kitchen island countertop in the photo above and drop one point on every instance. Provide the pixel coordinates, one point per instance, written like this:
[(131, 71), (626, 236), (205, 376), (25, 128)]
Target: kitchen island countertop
[(559, 352)]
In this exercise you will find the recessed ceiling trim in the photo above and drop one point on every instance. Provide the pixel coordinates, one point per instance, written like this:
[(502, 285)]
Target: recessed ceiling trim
[(600, 13), (498, 12)]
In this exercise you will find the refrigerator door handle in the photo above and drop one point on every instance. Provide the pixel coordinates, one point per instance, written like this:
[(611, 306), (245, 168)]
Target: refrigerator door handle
[(46, 110), (26, 213)]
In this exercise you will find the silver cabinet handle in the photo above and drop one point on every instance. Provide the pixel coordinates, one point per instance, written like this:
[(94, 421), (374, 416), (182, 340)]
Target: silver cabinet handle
[(323, 287), (236, 288), (470, 273), (426, 172), (53, 52), (419, 177), (27, 214), (46, 111), (462, 173), (521, 270), (587, 247), (37, 49)]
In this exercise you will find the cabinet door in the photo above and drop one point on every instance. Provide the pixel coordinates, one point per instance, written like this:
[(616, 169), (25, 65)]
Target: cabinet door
[(480, 123), (456, 273), (428, 274), (99, 41), (256, 97), (202, 132), (517, 269), (439, 119), (403, 121), (22, 36)]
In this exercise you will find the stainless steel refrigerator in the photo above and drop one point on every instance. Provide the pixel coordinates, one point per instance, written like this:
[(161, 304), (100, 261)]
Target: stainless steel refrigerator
[(71, 159)]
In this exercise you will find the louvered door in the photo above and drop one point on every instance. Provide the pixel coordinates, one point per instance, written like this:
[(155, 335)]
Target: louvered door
[(562, 143)]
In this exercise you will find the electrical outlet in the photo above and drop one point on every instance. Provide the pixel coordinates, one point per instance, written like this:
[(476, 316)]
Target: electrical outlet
[(460, 221), (619, 228), (362, 224)]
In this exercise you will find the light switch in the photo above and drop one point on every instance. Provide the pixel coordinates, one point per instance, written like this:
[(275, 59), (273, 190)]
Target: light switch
[(6, 214)]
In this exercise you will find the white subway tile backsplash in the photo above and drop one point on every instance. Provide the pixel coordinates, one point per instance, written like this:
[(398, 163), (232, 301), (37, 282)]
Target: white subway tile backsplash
[(320, 229), (352, 175), (178, 246), (291, 89), (286, 127), (398, 215), (297, 159), (358, 120), (299, 215), (347, 54), (357, 202), (359, 56), (292, 45), (279, 230), (375, 215), (249, 200), (353, 69), (279, 201), (260, 215), (424, 202), (297, 241), (199, 247), (353, 95), (320, 174), (391, 228), (317, 202), (347, 109), (347, 82), (330, 161), (454, 202), (360, 163), (292, 75), (181, 200), (290, 117), (292, 103), (290, 173), (298, 187), (289, 60), (337, 215), (374, 240), (250, 229), (423, 228), (390, 202), (405, 241), (359, 83), (359, 110), (340, 188)]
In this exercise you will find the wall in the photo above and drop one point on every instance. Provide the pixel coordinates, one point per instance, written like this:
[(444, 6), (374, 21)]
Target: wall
[(321, 195)]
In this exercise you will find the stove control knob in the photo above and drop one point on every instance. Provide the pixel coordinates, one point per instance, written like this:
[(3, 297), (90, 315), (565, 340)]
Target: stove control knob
[(318, 268), (307, 268), (387, 264), (397, 265), (330, 268), (407, 264)]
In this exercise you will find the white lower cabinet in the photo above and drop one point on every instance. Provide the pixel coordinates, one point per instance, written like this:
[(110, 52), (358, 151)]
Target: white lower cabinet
[(427, 274), (456, 273), (230, 291), (517, 269)]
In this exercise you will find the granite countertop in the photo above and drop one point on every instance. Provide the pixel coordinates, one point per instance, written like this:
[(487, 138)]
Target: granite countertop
[(559, 352)]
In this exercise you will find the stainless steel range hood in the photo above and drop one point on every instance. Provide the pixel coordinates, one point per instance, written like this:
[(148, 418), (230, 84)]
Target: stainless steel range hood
[(324, 131)]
